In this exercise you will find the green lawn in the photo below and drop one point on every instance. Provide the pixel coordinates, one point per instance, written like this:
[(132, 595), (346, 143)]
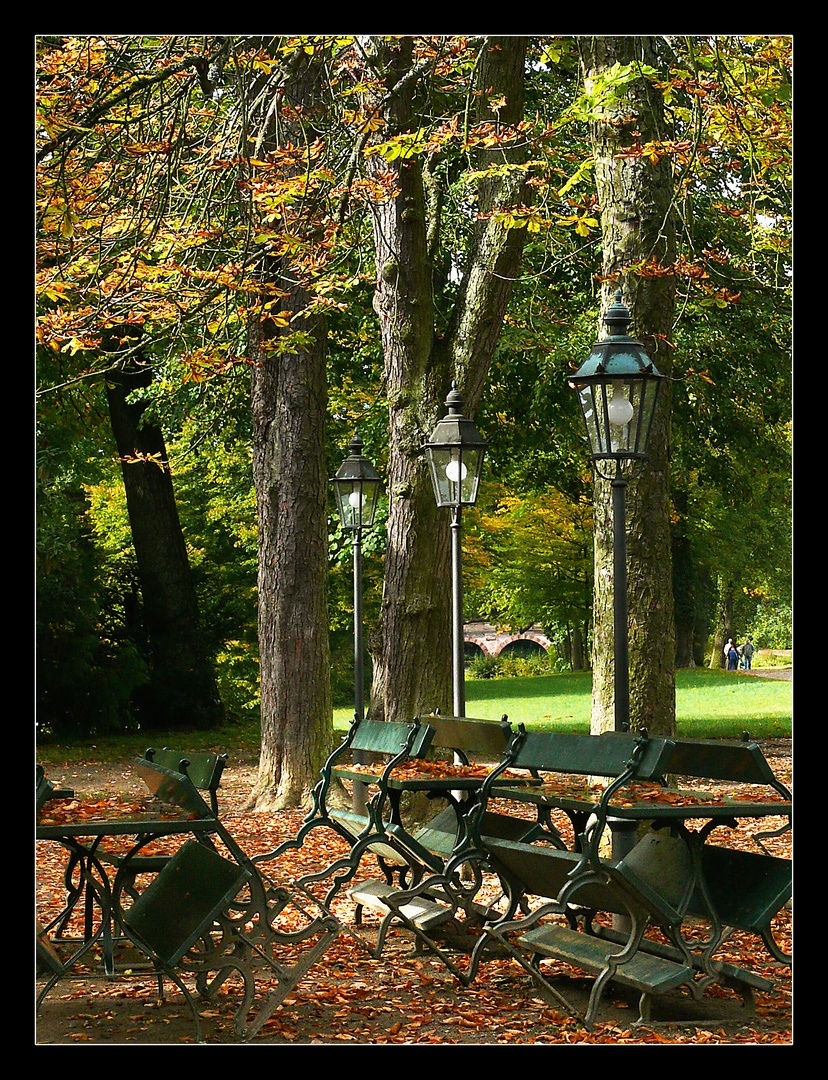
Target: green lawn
[(709, 704)]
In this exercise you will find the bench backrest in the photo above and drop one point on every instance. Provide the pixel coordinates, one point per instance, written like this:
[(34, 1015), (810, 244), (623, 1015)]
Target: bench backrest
[(381, 737), (45, 790), (589, 755), (655, 877), (468, 736), (715, 759), (172, 787), (610, 753), (204, 769), (183, 899)]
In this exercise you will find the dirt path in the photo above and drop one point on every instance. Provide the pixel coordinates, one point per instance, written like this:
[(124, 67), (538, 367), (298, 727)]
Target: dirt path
[(785, 673)]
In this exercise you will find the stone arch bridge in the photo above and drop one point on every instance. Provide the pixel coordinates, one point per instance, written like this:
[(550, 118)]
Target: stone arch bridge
[(483, 639)]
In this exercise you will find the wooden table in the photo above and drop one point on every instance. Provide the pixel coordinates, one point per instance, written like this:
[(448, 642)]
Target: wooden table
[(81, 835)]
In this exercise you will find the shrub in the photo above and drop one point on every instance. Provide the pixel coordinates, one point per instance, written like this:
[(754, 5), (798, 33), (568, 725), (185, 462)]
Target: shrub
[(484, 667)]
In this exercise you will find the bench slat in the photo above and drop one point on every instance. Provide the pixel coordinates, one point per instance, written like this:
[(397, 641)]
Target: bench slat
[(746, 889), (182, 900), (483, 737), (390, 738), (643, 972), (423, 912)]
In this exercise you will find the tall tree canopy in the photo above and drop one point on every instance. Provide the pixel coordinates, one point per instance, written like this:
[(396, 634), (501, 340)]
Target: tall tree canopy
[(346, 224)]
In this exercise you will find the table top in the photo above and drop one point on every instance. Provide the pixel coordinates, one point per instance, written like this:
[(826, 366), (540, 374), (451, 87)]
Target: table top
[(646, 800), (115, 816), (431, 776)]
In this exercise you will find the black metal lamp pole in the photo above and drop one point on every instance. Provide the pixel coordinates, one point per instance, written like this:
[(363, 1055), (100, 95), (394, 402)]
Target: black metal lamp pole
[(618, 386), (455, 456), (357, 487), (620, 634)]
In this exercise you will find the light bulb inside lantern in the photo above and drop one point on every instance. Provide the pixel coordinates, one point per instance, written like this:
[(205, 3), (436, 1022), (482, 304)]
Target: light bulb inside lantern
[(619, 411), (456, 471), (356, 499)]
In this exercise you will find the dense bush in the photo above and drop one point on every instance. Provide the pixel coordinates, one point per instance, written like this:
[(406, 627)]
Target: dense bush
[(772, 626), (509, 665)]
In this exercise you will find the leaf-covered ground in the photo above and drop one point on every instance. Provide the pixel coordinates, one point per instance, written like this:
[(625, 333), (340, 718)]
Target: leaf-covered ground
[(402, 998)]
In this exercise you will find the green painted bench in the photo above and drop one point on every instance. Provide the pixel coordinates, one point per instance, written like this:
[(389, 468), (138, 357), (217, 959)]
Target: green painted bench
[(204, 771), (46, 791), (403, 855), (531, 751), (653, 884), (210, 914), (648, 886), (425, 850), (230, 922), (179, 909), (388, 743)]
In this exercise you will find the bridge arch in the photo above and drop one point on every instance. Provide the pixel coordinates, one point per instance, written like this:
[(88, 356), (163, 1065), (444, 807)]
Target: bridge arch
[(488, 640)]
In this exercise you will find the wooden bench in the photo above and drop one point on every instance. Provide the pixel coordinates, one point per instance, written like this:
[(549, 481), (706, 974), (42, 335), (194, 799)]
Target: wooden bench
[(46, 791), (208, 912), (389, 744), (648, 886), (180, 906), (217, 916), (655, 883), (574, 754), (403, 855), (424, 851), (764, 886), (203, 770), (426, 848)]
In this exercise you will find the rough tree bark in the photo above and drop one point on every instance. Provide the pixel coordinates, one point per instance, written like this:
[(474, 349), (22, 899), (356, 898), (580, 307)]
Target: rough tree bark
[(288, 407), (410, 651), (635, 196), (723, 627)]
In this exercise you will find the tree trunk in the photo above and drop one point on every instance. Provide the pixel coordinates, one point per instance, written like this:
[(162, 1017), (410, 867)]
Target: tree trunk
[(182, 692), (577, 660), (288, 404), (724, 621), (635, 196), (410, 647), (288, 407)]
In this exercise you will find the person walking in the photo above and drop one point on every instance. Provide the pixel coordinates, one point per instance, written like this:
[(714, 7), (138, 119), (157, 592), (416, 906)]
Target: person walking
[(731, 655), (747, 654)]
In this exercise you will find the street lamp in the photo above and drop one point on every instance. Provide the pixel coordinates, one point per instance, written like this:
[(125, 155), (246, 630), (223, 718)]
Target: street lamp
[(357, 487), (455, 458), (618, 386)]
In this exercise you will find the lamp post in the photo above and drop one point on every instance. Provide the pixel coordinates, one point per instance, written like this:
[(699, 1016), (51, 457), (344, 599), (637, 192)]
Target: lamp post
[(455, 457), (618, 386), (357, 487)]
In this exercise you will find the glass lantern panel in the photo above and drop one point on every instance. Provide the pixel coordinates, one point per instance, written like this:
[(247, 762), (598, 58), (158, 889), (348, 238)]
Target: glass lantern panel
[(357, 501), (618, 415), (646, 395), (622, 415), (592, 398), (455, 474)]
